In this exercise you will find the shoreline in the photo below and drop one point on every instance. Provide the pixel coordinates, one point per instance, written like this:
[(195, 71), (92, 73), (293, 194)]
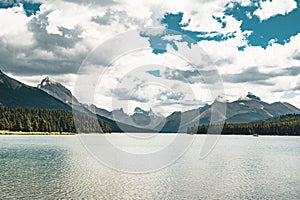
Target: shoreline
[(6, 132)]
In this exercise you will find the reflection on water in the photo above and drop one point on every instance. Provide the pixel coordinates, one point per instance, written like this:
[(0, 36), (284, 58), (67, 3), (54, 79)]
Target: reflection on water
[(241, 167)]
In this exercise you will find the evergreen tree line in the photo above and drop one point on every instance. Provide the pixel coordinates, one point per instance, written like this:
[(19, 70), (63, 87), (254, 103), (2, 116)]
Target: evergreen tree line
[(283, 125), (38, 120)]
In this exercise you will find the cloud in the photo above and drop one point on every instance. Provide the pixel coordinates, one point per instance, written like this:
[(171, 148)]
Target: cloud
[(176, 32), (296, 55), (121, 17), (191, 76), (291, 71), (253, 75), (45, 53), (50, 41), (272, 8), (277, 29), (16, 35), (296, 88), (68, 80), (55, 39), (170, 96), (106, 19), (124, 94), (94, 2), (289, 95), (249, 75), (29, 7)]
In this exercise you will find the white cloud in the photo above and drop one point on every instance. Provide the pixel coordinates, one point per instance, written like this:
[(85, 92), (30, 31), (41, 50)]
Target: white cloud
[(68, 80), (273, 59), (13, 27), (136, 14), (275, 7)]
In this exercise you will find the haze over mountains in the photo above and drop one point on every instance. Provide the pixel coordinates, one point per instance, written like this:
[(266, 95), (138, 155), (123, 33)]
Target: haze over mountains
[(50, 94)]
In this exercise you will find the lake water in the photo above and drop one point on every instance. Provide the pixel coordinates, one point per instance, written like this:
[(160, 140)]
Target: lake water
[(239, 167)]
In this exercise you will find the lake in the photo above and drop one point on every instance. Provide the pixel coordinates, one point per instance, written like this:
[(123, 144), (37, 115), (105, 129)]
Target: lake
[(238, 167)]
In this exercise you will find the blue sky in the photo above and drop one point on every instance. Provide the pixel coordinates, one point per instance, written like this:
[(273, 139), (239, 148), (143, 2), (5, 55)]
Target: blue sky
[(29, 7), (277, 29), (155, 72), (175, 26), (253, 44)]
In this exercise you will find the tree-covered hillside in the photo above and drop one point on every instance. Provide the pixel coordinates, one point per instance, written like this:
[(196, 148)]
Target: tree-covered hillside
[(38, 120), (284, 125)]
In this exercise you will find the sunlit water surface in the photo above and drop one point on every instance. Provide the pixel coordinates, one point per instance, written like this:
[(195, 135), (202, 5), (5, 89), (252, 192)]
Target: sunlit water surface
[(239, 167)]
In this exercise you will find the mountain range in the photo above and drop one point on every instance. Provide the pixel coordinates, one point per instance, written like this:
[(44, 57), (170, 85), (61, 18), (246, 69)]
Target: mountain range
[(50, 94), (15, 94), (244, 110)]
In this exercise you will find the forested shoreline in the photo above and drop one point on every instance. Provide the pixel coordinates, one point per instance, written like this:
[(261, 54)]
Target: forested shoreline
[(63, 121), (41, 120), (283, 125)]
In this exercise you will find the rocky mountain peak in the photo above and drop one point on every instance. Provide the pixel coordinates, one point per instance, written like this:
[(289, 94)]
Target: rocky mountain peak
[(47, 81), (249, 96), (252, 96)]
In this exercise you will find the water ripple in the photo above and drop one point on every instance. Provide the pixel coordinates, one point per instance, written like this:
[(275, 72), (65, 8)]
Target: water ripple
[(240, 167)]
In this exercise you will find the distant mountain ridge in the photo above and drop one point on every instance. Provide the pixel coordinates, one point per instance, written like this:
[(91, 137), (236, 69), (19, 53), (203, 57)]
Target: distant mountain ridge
[(60, 92), (245, 109), (52, 95), (139, 118)]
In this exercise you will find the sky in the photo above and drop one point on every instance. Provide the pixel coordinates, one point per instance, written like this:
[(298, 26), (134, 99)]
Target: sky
[(164, 55)]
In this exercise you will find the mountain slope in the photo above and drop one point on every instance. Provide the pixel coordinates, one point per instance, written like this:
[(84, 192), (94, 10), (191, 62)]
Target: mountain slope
[(249, 108), (139, 119), (15, 94), (146, 119), (244, 110), (172, 123), (58, 91)]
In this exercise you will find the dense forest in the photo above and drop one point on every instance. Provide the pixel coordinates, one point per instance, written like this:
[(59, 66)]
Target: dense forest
[(37, 120), (283, 125)]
